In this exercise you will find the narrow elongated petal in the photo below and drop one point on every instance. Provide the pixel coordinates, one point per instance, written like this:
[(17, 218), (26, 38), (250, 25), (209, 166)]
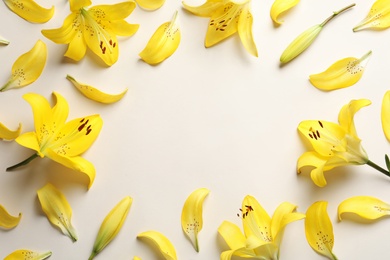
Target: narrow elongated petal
[(191, 215), (23, 254), (385, 115), (364, 206), (7, 220), (161, 242), (111, 225), (245, 23), (30, 10), (348, 112), (205, 10), (8, 134), (28, 67), (150, 4), (57, 209), (319, 229), (377, 18), (343, 73), (163, 42), (281, 6), (3, 40), (95, 94)]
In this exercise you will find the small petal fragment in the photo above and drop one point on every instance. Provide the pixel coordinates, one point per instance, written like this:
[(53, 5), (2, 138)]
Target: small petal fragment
[(191, 216), (377, 18), (111, 225), (28, 67), (319, 229), (343, 73), (57, 209), (150, 4), (8, 221), (364, 206), (163, 43), (95, 94), (3, 40), (30, 10), (385, 115), (281, 6), (8, 134), (162, 242), (23, 254)]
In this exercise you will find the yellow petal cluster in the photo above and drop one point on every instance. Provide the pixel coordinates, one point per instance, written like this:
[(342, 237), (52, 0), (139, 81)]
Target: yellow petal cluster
[(57, 209), (111, 225), (367, 207), (281, 6), (8, 134), (30, 10), (162, 243), (23, 254), (191, 215), (95, 94), (385, 115), (150, 4), (28, 67), (377, 18), (163, 42), (8, 221), (343, 73)]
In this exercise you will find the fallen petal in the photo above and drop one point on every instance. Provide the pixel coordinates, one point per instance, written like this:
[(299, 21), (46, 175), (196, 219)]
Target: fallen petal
[(30, 10), (281, 6), (150, 4), (23, 254), (364, 206), (161, 242), (8, 221), (385, 115), (377, 18), (8, 134)]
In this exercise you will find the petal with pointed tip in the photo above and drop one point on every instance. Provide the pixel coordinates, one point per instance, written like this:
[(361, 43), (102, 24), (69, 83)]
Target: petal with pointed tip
[(385, 115), (32, 255), (281, 6), (377, 18), (260, 216), (150, 4), (364, 206), (30, 10), (8, 134), (245, 23), (7, 220), (347, 113), (205, 10), (161, 242)]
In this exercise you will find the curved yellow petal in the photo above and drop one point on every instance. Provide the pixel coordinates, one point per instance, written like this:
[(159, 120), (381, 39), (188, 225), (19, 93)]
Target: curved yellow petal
[(347, 113), (150, 4), (163, 42), (385, 115), (319, 229), (29, 140), (112, 12), (95, 94), (191, 215), (205, 10), (313, 159), (245, 23), (122, 28), (8, 134), (161, 242), (136, 258), (377, 18), (343, 73), (232, 235), (66, 32), (8, 221), (281, 6), (28, 67), (57, 209), (364, 206), (30, 10), (22, 254), (111, 225), (3, 40)]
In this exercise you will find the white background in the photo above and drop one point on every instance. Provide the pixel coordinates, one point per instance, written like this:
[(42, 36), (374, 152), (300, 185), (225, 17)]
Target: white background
[(216, 118)]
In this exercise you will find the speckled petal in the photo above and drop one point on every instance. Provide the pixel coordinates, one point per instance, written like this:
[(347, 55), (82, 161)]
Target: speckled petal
[(30, 10), (377, 18), (364, 206), (23, 254)]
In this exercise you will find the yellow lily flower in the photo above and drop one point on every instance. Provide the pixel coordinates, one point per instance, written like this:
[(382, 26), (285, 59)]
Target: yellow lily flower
[(8, 134), (263, 234), (191, 215), (305, 39), (28, 67), (150, 4), (23, 254), (163, 42), (7, 220), (62, 142), (95, 27), (3, 40), (95, 94), (377, 18), (226, 18), (281, 6), (319, 229), (111, 225), (161, 242), (385, 115), (334, 144), (30, 10), (57, 209), (364, 206), (341, 74)]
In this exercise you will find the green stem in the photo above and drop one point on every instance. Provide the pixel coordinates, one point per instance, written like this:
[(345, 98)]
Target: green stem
[(5, 86), (377, 167), (336, 14), (29, 159)]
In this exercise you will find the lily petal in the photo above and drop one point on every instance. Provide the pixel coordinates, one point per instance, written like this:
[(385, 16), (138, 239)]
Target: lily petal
[(76, 5), (8, 221), (348, 112), (319, 229), (22, 254), (30, 10), (95, 94), (57, 209), (8, 134), (28, 67), (281, 6), (136, 258), (205, 10), (161, 242), (191, 216), (232, 235), (111, 225), (364, 206), (377, 18), (341, 74), (245, 23), (385, 115), (163, 42), (150, 4)]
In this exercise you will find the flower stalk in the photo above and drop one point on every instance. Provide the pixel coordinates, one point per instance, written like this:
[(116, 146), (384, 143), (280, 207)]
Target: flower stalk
[(377, 167), (336, 14), (22, 163)]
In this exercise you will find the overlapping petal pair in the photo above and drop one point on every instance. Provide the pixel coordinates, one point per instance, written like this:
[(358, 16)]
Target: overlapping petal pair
[(30, 10), (377, 18)]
